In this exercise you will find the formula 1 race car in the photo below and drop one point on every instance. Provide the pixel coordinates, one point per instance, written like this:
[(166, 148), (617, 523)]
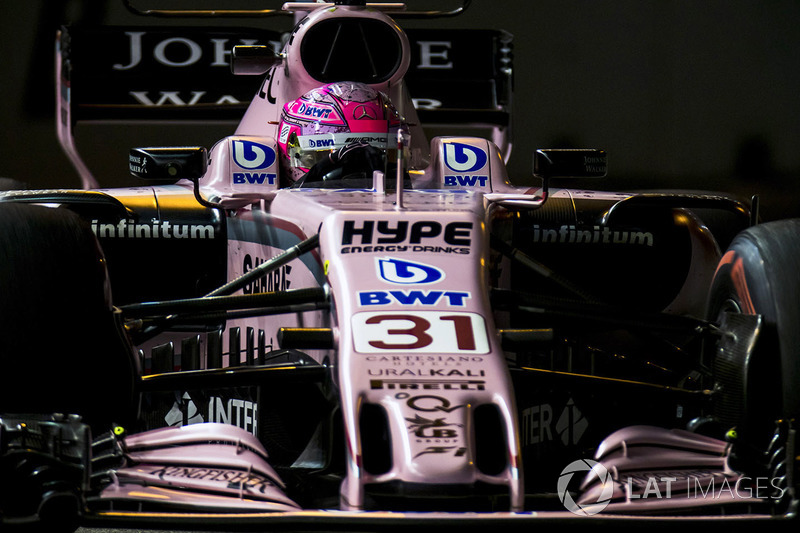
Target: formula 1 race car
[(330, 320)]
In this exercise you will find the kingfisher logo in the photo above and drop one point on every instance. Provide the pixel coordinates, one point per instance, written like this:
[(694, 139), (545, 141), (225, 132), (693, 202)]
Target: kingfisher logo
[(461, 157), (251, 155), (402, 272)]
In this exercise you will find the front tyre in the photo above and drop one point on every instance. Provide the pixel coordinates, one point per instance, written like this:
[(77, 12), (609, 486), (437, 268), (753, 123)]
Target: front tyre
[(760, 274), (61, 349)]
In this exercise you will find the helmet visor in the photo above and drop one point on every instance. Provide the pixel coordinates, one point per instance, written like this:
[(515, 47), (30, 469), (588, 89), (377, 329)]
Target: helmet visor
[(307, 150)]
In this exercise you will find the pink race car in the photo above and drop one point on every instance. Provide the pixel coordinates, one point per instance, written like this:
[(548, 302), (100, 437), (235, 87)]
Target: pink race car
[(332, 318)]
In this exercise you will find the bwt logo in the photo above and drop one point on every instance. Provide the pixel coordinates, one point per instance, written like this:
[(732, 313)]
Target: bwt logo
[(252, 155), (463, 157), (321, 143), (407, 272), (314, 111), (253, 178), (465, 180)]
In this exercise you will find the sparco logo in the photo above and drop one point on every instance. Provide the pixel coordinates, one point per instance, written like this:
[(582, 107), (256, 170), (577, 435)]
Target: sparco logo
[(384, 232)]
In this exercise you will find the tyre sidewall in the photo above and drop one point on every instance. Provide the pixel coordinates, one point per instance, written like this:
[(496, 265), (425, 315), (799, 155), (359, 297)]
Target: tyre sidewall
[(760, 274)]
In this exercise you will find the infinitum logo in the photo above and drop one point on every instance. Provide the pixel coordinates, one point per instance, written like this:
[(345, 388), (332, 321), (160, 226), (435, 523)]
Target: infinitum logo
[(571, 234), (157, 229)]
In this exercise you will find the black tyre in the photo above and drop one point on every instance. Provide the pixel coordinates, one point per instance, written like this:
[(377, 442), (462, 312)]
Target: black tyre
[(760, 274), (60, 346)]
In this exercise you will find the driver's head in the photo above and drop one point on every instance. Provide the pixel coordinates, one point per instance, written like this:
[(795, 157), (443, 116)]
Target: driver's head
[(330, 118)]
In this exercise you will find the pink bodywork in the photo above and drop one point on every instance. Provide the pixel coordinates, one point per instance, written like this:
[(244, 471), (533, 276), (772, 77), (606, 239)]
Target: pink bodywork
[(415, 333), (201, 466)]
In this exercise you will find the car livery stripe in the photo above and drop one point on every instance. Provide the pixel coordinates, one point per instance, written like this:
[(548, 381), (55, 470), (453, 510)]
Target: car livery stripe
[(267, 232)]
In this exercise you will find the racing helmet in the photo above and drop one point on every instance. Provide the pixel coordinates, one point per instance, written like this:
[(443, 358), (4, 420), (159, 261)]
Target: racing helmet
[(331, 124)]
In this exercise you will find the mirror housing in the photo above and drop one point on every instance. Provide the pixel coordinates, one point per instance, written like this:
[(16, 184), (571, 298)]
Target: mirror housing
[(168, 165), (570, 163), (252, 60)]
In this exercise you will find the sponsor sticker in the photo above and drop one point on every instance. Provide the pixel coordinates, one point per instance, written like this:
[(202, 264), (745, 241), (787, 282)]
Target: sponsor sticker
[(251, 155), (421, 332), (460, 157), (402, 272)]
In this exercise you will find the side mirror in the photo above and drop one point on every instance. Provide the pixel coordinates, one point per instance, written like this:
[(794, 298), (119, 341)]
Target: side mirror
[(570, 163), (567, 163), (252, 60), (168, 164)]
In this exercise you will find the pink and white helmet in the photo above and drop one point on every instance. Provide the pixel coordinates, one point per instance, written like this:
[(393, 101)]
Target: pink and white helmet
[(331, 117)]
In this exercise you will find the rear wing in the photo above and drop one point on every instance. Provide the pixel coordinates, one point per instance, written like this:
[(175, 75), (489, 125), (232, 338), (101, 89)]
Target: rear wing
[(134, 74), (463, 79)]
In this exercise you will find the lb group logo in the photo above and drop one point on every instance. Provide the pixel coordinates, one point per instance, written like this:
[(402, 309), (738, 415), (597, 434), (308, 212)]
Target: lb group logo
[(590, 468)]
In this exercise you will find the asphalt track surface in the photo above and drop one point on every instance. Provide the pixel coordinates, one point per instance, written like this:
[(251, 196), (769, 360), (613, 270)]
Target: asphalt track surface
[(579, 525)]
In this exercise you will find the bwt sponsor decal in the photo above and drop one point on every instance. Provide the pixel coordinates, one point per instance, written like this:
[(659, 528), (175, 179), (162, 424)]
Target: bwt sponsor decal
[(253, 178), (253, 156), (323, 112), (407, 272), (464, 159), (157, 229), (414, 297), (321, 143), (313, 111), (466, 181)]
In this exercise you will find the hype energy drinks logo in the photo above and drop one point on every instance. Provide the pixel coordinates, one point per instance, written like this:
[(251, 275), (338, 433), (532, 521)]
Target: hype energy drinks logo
[(254, 159), (466, 165)]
